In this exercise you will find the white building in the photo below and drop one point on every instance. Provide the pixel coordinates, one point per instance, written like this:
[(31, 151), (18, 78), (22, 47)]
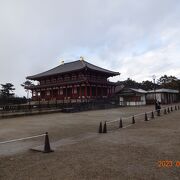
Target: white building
[(132, 97), (165, 96)]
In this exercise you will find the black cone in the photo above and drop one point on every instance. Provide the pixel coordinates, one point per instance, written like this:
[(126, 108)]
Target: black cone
[(100, 127), (152, 115), (47, 147), (165, 112), (133, 120), (145, 116), (105, 128), (120, 123), (168, 110)]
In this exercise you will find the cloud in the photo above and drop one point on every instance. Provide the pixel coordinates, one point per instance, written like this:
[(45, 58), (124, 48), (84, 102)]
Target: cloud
[(136, 39)]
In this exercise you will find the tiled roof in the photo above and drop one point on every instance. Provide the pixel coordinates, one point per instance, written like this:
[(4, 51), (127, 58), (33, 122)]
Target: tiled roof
[(139, 90), (72, 66), (123, 89), (164, 90)]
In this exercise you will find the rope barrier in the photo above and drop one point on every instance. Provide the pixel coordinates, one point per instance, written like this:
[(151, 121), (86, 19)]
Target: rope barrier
[(21, 139), (136, 115), (108, 122), (127, 126)]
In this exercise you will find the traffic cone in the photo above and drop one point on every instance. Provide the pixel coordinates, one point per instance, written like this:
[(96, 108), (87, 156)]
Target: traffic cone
[(146, 118), (165, 112), (133, 120), (120, 123), (100, 127), (152, 115), (168, 110), (47, 147), (158, 112), (105, 128)]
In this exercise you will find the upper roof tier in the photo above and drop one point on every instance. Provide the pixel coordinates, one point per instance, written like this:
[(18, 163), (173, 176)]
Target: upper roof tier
[(72, 67)]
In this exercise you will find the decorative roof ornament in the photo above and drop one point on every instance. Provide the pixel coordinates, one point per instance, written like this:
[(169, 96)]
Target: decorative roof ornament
[(62, 62), (81, 58)]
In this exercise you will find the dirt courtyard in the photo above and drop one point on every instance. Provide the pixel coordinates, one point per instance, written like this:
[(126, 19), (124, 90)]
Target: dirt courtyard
[(135, 152)]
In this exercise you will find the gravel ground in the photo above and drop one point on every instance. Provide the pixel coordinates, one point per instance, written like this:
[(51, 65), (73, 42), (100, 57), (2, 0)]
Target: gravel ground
[(81, 153)]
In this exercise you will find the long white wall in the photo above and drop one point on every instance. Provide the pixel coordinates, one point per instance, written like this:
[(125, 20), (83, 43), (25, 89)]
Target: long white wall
[(132, 103)]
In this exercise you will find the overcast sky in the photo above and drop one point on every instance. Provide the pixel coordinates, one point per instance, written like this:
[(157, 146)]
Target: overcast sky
[(136, 38)]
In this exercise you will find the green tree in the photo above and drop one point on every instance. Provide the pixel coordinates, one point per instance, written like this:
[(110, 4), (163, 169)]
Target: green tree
[(147, 85), (171, 82), (26, 85), (7, 90), (166, 79), (131, 83)]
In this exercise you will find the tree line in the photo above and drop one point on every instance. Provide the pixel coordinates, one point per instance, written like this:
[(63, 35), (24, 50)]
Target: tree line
[(168, 82), (7, 94)]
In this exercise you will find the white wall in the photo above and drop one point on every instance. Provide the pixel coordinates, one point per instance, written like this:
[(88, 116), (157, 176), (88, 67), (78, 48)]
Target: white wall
[(132, 103), (151, 96)]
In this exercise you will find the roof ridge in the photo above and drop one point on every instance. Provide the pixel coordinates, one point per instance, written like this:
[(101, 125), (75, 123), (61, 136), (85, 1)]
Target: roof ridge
[(97, 66)]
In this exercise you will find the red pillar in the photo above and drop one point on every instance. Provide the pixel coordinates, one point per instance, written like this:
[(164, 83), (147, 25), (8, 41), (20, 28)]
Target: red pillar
[(80, 93), (90, 91), (66, 92), (72, 91), (58, 92), (85, 91), (52, 93)]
